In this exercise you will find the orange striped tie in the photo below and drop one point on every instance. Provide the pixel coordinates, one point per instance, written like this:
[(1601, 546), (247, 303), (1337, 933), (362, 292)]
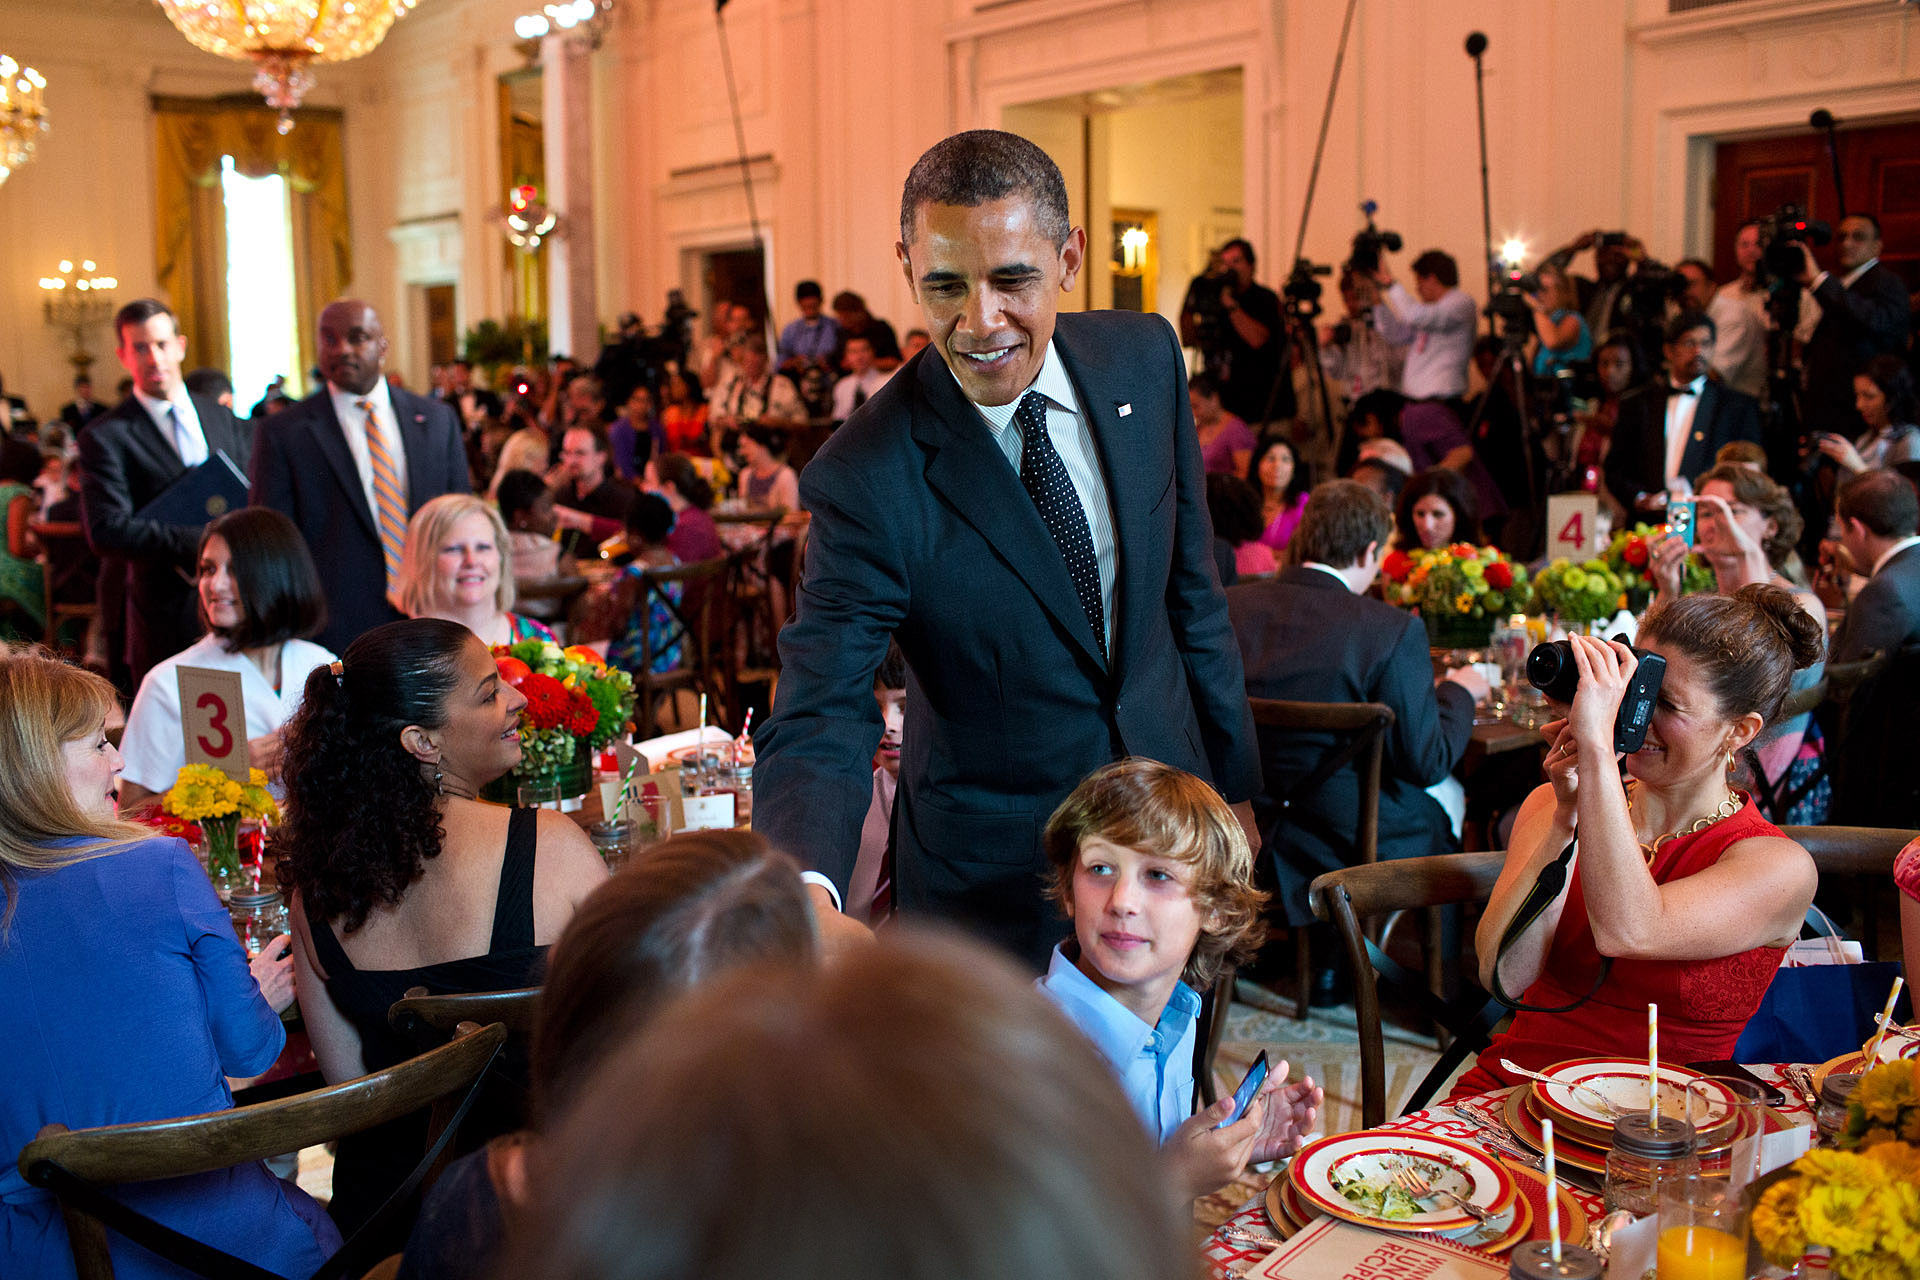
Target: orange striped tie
[(389, 507)]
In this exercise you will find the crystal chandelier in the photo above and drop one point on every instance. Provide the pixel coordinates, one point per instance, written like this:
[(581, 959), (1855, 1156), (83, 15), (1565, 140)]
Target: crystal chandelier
[(76, 301), (282, 36), (23, 113)]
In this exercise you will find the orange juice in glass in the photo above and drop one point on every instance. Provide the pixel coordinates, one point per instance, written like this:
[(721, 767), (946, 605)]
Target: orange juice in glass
[(1703, 1231)]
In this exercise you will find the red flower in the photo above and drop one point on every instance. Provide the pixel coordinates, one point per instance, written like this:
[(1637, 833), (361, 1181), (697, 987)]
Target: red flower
[(1635, 552), (167, 824), (582, 715), (1396, 566), (1499, 575), (1463, 551), (548, 702)]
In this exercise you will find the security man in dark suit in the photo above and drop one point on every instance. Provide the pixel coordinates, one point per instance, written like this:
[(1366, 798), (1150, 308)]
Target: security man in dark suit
[(128, 457), (351, 463), (1863, 314)]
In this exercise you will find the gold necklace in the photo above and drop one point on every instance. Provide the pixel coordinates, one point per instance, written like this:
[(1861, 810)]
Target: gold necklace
[(1729, 806)]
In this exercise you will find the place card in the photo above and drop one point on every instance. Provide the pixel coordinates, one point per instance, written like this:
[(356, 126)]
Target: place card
[(707, 813), (1330, 1249)]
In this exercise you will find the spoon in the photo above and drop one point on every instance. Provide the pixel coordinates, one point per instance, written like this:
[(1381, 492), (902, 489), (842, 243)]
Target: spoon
[(1600, 1102)]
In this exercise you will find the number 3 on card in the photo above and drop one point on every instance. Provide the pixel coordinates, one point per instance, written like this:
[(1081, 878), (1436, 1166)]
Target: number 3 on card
[(213, 719)]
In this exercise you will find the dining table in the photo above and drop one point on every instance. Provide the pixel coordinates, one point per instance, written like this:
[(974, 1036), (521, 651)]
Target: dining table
[(1250, 1234)]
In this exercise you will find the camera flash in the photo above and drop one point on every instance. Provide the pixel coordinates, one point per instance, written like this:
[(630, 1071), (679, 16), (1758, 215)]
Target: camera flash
[(1513, 252)]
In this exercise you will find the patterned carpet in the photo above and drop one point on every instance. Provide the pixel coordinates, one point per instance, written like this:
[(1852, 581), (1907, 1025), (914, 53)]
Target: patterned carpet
[(1325, 1046)]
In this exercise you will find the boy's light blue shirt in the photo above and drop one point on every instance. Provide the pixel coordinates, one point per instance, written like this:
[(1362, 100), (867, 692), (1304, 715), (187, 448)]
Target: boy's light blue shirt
[(1155, 1064)]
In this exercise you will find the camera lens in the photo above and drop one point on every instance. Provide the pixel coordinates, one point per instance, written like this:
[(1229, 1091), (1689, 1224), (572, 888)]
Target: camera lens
[(1551, 670)]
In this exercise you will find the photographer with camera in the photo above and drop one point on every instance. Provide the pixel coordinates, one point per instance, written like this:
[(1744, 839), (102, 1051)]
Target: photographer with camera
[(1863, 313), (1436, 326), (1607, 299), (1241, 335), (1680, 892), (1562, 333), (1353, 352)]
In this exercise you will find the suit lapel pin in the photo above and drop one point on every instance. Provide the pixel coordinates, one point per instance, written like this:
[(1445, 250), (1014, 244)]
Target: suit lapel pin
[(1125, 410)]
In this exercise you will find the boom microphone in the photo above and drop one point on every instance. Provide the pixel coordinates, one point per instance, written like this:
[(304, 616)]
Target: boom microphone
[(1821, 118), (1476, 44)]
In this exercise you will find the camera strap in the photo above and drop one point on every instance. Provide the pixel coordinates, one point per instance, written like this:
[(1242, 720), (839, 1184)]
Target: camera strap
[(1553, 878)]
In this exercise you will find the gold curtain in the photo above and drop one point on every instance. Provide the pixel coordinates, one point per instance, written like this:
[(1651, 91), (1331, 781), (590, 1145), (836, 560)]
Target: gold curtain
[(190, 228)]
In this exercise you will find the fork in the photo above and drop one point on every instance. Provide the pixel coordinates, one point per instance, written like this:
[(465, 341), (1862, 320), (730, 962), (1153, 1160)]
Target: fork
[(1416, 1185), (1599, 1100), (1497, 1138)]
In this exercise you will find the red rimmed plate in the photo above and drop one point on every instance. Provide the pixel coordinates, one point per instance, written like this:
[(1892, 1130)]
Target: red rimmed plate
[(1623, 1084), (1365, 1161), (1567, 1149), (1892, 1048), (1522, 1220)]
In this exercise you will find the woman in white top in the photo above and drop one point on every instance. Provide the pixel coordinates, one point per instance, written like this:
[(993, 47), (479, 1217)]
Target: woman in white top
[(260, 597)]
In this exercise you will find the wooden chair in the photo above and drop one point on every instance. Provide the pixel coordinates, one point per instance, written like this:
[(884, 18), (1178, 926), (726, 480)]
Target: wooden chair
[(694, 632), (1359, 730), (74, 1164), (1214, 1008), (1349, 897), (754, 621), (59, 612), (430, 1020), (1863, 854)]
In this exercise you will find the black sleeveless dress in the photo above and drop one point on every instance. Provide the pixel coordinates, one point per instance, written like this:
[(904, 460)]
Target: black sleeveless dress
[(370, 1165)]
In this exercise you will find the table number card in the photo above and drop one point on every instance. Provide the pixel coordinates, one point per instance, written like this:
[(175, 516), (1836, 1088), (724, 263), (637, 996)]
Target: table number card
[(1573, 526), (213, 719)]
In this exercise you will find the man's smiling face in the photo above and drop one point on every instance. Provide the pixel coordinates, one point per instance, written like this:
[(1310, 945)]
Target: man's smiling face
[(989, 283)]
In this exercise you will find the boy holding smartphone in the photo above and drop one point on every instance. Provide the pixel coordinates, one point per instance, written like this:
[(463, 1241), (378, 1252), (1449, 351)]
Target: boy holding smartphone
[(1154, 871)]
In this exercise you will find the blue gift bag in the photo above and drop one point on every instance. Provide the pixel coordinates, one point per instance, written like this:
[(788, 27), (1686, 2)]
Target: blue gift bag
[(1817, 1012)]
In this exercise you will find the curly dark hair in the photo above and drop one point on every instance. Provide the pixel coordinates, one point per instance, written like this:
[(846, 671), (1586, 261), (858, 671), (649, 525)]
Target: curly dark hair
[(361, 818)]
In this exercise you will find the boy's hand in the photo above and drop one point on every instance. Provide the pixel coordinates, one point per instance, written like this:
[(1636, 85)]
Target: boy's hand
[(1290, 1113), (1203, 1158)]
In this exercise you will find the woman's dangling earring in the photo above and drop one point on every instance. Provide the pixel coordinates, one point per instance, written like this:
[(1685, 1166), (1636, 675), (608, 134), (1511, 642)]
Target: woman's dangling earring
[(440, 789)]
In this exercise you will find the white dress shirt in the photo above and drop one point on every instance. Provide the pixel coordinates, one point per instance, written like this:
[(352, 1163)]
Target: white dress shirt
[(189, 440), (844, 390), (1438, 337), (353, 421), (1682, 404), (1911, 540), (1073, 440)]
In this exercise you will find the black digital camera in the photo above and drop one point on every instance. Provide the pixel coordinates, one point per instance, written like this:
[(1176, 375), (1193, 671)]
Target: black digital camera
[(1552, 670)]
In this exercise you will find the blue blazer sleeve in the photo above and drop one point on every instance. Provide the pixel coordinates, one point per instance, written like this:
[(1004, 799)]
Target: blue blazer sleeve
[(814, 776), (247, 1034)]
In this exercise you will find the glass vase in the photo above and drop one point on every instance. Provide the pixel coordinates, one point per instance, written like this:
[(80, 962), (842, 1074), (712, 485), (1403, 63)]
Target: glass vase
[(221, 837)]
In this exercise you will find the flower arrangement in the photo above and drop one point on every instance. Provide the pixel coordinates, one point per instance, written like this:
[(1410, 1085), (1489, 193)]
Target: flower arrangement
[(1456, 587), (1860, 1203), (1631, 551), (204, 794), (574, 700), (1579, 593)]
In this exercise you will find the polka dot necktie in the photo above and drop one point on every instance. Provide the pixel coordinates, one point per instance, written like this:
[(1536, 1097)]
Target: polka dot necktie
[(1052, 491)]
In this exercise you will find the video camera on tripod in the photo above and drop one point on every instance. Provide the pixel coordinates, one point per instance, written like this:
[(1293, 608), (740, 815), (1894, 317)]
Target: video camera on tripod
[(1364, 257)]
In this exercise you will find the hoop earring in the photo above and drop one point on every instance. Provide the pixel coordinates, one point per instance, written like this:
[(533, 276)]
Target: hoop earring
[(1731, 757)]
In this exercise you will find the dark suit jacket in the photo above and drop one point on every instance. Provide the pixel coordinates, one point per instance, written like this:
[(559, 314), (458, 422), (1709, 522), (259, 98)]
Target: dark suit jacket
[(125, 463), (1857, 323), (1637, 457), (922, 531), (1886, 613), (1305, 638), (302, 468)]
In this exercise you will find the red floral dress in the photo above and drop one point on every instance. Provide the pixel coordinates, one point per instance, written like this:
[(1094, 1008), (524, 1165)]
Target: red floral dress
[(1704, 1004)]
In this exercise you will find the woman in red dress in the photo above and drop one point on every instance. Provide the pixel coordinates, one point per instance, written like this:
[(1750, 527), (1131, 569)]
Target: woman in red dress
[(1677, 878)]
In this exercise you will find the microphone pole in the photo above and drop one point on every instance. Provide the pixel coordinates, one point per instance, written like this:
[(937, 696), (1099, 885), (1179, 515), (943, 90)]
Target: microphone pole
[(1823, 119), (1477, 45)]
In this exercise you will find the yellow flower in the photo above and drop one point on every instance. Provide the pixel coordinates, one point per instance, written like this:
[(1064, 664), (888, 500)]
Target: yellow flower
[(1463, 603), (1883, 1091), (1836, 1216), (1776, 1222)]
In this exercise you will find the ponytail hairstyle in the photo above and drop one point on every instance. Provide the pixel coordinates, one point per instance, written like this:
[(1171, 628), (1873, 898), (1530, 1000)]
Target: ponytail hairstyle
[(1747, 645), (361, 815), (46, 703)]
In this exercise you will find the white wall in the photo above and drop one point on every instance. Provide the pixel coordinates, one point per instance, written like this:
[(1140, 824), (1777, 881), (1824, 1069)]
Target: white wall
[(1182, 161), (1600, 113)]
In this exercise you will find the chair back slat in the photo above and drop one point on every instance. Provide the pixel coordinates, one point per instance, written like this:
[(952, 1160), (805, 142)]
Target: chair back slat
[(420, 1012), (221, 1139)]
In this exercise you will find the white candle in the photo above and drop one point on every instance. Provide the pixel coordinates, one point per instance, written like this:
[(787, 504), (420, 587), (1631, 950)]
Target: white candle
[(1553, 1190)]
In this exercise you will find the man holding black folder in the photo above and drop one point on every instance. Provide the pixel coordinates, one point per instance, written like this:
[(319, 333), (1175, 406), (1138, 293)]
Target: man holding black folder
[(130, 457)]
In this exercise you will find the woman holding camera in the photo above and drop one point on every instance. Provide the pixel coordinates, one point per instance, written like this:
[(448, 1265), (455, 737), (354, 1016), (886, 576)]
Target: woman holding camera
[(1557, 323), (1679, 892)]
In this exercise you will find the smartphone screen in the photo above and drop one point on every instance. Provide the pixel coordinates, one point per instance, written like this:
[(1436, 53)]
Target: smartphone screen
[(1680, 520), (1249, 1085)]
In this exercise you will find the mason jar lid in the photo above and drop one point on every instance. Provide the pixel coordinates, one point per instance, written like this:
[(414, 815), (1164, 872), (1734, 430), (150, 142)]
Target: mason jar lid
[(254, 899), (1837, 1089), (1636, 1135), (609, 829)]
